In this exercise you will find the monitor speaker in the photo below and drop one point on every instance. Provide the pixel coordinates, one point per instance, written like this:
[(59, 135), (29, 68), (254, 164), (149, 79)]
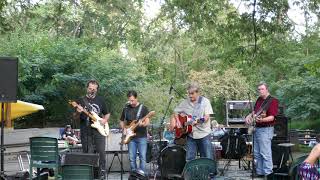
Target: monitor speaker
[(8, 79), (84, 158)]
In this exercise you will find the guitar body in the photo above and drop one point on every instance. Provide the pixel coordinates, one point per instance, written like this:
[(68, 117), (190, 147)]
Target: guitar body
[(251, 128), (186, 128), (103, 129), (129, 130)]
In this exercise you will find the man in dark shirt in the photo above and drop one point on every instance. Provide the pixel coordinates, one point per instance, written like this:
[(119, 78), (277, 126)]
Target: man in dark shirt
[(263, 133), (92, 141), (133, 111)]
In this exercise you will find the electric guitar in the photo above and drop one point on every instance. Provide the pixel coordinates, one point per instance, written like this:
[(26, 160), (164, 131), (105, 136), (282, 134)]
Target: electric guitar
[(186, 121), (103, 129), (129, 133), (258, 115)]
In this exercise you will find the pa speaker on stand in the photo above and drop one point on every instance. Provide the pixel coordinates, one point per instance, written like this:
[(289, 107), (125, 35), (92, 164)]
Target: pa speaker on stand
[(8, 94)]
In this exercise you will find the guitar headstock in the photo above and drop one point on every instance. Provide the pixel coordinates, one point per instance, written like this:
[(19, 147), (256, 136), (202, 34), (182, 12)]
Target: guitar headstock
[(150, 114)]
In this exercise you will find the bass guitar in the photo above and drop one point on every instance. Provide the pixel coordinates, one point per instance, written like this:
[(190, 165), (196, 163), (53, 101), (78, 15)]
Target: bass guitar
[(186, 122), (128, 132), (103, 129)]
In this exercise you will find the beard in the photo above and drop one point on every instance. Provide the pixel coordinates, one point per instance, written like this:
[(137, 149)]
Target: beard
[(91, 95)]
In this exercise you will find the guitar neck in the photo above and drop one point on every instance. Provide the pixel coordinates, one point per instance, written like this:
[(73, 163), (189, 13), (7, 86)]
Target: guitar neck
[(88, 114)]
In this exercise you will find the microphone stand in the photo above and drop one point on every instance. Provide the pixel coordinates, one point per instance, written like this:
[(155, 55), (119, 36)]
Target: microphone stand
[(254, 125), (161, 128), (175, 90), (121, 159)]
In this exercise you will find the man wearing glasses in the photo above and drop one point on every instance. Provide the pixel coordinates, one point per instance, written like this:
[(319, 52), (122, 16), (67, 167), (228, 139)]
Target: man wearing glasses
[(199, 109)]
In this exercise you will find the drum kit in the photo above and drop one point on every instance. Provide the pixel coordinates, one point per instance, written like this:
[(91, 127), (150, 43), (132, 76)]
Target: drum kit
[(163, 154)]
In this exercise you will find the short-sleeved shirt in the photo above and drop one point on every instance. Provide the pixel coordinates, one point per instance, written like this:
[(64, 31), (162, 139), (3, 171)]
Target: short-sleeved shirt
[(271, 111), (96, 105), (129, 114), (186, 106), (68, 133)]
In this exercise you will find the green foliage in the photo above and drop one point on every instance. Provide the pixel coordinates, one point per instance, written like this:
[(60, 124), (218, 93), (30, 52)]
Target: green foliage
[(61, 44)]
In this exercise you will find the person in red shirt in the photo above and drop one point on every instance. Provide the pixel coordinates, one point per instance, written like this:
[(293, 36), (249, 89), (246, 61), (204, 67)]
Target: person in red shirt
[(265, 111)]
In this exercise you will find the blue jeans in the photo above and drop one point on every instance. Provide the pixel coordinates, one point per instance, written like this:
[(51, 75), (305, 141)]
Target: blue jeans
[(202, 145), (138, 145), (262, 150)]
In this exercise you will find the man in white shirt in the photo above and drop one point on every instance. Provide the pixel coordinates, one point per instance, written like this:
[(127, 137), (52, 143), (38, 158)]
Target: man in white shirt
[(200, 109)]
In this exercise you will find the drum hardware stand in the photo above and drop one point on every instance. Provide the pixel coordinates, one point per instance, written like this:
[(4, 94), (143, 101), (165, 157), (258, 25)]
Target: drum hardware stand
[(161, 128), (229, 158)]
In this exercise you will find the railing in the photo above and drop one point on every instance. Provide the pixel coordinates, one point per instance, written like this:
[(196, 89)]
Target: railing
[(305, 136)]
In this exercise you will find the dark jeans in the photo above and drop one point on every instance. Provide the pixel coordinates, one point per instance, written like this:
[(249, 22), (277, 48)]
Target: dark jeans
[(202, 145), (93, 142)]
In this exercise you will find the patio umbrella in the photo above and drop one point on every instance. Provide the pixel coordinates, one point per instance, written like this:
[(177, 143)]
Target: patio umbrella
[(21, 108)]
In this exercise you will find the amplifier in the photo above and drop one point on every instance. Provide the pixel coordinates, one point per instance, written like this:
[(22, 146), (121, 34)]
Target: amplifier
[(82, 158)]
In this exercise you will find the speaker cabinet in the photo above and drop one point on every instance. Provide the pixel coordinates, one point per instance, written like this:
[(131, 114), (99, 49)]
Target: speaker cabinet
[(280, 157), (82, 158), (281, 128), (8, 79)]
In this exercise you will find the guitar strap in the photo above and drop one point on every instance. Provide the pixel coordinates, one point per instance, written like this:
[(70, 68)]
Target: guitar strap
[(265, 105), (88, 106), (198, 108), (139, 112), (86, 103)]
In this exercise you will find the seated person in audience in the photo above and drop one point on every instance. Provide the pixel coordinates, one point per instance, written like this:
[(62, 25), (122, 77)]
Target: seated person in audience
[(217, 130), (313, 143), (69, 136), (308, 170)]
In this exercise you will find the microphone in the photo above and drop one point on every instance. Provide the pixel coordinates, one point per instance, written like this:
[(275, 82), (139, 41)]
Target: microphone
[(127, 104)]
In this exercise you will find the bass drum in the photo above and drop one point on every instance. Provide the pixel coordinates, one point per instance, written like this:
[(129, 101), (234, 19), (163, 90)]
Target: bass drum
[(233, 147), (172, 160)]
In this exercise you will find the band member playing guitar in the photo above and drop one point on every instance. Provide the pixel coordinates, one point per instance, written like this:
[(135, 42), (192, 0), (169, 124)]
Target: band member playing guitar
[(192, 117), (92, 141), (265, 110), (138, 143)]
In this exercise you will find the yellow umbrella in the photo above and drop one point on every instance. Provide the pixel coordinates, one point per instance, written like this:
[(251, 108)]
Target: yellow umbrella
[(21, 108)]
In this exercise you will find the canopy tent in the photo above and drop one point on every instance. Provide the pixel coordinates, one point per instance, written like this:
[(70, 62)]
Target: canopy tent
[(19, 109)]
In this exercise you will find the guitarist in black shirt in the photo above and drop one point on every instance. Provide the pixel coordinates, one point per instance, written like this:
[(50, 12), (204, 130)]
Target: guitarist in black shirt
[(92, 141), (135, 111)]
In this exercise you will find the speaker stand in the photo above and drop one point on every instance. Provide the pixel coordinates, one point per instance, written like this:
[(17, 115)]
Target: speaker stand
[(3, 109)]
